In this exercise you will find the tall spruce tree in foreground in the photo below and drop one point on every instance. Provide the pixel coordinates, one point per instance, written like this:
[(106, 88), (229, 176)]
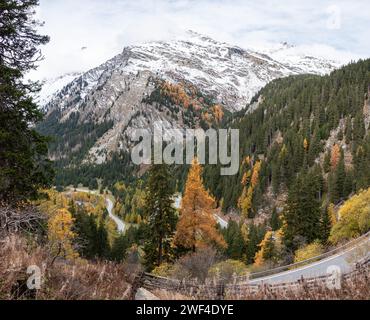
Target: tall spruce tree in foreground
[(161, 216), (24, 166), (302, 213)]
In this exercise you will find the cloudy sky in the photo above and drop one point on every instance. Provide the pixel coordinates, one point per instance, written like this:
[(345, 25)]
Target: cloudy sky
[(85, 33)]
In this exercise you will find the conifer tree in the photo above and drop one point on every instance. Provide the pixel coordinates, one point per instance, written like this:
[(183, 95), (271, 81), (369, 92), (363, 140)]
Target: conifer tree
[(302, 212), (245, 200), (253, 237), (326, 165), (339, 178), (348, 130), (335, 156), (119, 247), (197, 225), (24, 166), (235, 241), (61, 234), (275, 221), (325, 225), (161, 216), (269, 249), (102, 244), (358, 128)]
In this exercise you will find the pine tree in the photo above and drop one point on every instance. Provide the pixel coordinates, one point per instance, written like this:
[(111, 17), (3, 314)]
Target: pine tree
[(339, 179), (119, 247), (102, 244), (302, 212), (314, 149), (253, 237), (235, 241), (197, 225), (327, 164), (358, 128), (161, 215), (269, 248), (325, 225), (275, 222), (24, 167), (348, 130)]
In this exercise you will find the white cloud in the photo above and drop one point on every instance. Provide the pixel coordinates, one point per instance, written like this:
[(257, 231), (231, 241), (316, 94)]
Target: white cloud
[(337, 29)]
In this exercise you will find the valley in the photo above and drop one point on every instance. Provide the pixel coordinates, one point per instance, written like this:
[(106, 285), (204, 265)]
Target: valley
[(234, 166)]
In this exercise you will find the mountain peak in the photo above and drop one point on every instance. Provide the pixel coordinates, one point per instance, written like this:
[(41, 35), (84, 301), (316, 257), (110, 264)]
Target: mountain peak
[(196, 36), (230, 74), (119, 94)]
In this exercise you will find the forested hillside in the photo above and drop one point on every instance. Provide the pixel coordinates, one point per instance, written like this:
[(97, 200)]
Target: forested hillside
[(306, 125)]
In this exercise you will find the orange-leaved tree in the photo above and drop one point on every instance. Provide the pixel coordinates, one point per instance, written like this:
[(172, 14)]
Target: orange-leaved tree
[(335, 156), (61, 235), (197, 226)]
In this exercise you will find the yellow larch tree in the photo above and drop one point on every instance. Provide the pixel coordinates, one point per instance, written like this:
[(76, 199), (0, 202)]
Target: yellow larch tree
[(218, 113), (197, 226), (305, 144), (270, 248), (61, 235), (246, 176), (245, 200), (255, 174)]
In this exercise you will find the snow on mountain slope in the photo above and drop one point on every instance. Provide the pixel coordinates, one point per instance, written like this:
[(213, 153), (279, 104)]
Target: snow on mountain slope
[(304, 59), (115, 90), (231, 74), (51, 87)]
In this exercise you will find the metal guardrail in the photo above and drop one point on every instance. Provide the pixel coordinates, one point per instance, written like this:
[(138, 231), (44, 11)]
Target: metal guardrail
[(240, 284), (261, 274), (348, 245), (218, 291)]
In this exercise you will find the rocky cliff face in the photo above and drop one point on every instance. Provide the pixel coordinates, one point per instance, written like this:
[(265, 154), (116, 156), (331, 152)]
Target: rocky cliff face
[(120, 92)]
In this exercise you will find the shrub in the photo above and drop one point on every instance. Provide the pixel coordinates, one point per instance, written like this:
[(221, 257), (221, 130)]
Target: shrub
[(196, 265), (164, 270), (226, 270), (354, 218), (309, 251)]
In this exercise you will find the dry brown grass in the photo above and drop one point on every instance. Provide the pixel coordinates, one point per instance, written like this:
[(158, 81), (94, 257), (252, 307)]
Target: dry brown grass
[(77, 280)]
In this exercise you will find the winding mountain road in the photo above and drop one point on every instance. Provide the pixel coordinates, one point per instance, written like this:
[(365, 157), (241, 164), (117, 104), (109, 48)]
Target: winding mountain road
[(121, 225)]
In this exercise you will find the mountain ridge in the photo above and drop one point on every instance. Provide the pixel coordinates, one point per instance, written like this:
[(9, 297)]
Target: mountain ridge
[(116, 92)]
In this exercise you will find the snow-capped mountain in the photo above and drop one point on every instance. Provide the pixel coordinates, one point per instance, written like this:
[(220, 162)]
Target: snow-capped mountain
[(51, 87), (229, 73), (115, 91)]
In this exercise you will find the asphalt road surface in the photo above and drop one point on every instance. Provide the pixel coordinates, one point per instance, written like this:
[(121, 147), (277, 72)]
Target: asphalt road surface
[(345, 261)]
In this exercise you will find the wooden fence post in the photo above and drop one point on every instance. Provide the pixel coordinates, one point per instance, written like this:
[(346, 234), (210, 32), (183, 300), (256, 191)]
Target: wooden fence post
[(221, 291), (136, 284)]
